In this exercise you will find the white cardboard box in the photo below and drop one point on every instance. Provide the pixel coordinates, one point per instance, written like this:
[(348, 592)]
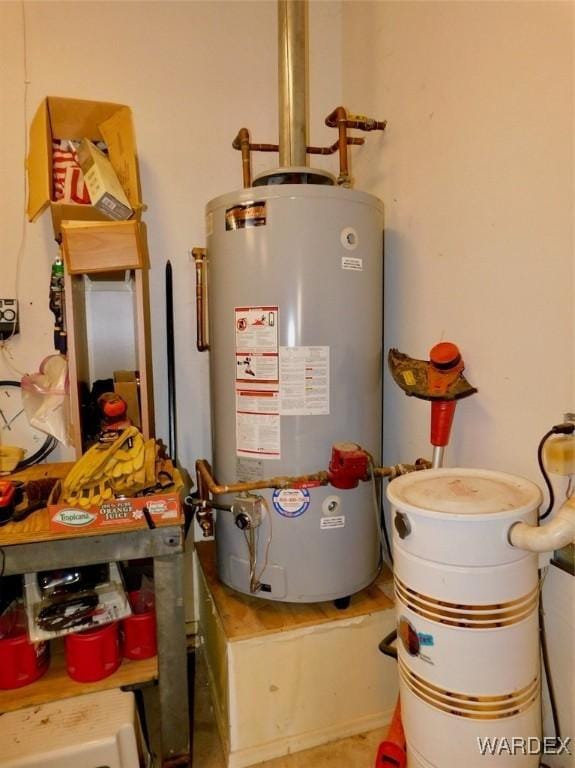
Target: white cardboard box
[(106, 192)]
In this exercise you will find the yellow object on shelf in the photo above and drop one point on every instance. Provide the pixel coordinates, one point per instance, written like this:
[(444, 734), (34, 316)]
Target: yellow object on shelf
[(10, 457)]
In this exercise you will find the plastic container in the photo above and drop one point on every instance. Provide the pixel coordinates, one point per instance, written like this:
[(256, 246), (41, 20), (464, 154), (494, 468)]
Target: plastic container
[(93, 654), (467, 616), (139, 630), (21, 662)]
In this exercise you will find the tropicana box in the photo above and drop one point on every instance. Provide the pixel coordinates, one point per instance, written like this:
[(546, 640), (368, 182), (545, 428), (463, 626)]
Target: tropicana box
[(62, 118), (117, 514)]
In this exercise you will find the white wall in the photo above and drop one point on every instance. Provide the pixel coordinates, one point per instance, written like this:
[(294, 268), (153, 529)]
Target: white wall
[(193, 73), (476, 174)]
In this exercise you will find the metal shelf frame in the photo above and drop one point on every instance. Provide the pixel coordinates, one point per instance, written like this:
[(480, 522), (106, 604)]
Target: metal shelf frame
[(166, 546)]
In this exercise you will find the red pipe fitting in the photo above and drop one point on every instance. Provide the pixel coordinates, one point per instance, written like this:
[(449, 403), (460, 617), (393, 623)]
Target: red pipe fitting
[(349, 464)]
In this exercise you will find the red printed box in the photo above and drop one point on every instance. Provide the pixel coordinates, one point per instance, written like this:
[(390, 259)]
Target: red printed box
[(163, 509)]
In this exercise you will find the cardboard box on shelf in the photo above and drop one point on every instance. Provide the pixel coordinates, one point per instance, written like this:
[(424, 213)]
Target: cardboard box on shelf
[(162, 508), (104, 188), (63, 118)]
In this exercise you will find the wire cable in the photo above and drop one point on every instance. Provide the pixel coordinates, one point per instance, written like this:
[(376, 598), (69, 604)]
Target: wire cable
[(546, 661), (269, 541)]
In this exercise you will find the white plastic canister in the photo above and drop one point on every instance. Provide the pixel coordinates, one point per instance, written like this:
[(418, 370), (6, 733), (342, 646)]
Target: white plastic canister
[(467, 613)]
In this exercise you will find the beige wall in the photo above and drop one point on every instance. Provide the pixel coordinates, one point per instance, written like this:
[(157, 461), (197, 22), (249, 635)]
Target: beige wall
[(475, 170), (193, 73), (476, 174)]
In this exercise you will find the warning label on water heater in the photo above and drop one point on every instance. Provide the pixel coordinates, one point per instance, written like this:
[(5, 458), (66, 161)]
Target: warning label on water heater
[(257, 382), (246, 215)]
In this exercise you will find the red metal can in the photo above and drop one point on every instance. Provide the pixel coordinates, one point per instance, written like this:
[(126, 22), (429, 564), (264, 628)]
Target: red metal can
[(139, 630), (93, 654), (21, 662)]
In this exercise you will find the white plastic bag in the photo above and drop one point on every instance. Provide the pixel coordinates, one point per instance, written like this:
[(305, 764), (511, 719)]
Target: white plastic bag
[(46, 400)]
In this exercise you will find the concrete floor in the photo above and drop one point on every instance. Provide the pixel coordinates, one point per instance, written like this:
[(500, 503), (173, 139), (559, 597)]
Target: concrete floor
[(354, 752)]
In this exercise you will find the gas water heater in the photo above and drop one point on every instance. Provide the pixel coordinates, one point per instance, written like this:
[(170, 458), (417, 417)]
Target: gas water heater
[(295, 322), (295, 293)]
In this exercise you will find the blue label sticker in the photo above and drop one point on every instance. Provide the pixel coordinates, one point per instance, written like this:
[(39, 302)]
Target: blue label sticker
[(425, 639), (291, 502)]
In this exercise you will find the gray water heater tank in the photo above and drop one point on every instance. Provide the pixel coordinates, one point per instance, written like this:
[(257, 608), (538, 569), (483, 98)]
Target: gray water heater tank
[(295, 276)]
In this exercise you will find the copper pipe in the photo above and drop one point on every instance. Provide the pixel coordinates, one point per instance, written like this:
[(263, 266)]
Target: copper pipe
[(339, 119), (334, 147), (264, 147), (206, 481), (401, 469), (354, 121), (204, 474), (199, 255), (311, 150), (242, 142)]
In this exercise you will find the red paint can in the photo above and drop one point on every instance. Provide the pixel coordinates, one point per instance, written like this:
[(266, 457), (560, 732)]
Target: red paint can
[(21, 662), (93, 654)]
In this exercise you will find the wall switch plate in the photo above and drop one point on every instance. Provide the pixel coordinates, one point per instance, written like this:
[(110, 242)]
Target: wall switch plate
[(9, 319)]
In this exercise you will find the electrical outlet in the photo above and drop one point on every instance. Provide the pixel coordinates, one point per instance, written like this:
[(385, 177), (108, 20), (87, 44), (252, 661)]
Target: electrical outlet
[(9, 319)]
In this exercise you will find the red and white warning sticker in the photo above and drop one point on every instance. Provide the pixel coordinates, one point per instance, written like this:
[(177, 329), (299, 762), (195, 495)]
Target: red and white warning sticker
[(257, 382)]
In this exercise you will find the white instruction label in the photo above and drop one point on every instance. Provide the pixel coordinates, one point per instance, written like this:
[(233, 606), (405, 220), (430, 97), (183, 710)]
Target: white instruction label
[(327, 523), (304, 381), (249, 470), (353, 263), (258, 434)]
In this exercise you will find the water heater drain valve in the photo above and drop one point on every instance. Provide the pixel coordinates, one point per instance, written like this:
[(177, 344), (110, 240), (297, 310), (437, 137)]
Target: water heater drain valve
[(349, 464), (248, 511)]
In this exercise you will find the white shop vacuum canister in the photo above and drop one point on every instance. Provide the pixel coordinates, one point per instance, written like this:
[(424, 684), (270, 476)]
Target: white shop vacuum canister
[(467, 613)]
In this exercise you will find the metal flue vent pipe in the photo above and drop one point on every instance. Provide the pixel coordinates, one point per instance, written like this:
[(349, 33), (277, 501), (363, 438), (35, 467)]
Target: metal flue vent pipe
[(292, 82)]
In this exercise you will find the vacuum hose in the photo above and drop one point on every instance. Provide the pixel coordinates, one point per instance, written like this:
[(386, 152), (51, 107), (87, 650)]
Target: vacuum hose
[(554, 535)]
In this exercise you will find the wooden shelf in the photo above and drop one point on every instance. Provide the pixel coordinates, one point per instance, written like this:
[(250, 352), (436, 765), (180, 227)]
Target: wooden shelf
[(56, 684), (245, 617)]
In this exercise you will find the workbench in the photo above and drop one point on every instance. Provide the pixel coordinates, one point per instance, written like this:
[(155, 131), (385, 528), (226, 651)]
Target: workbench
[(30, 546)]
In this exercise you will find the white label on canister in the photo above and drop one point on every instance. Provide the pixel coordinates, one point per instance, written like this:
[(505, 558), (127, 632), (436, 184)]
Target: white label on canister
[(291, 502), (353, 263), (327, 523)]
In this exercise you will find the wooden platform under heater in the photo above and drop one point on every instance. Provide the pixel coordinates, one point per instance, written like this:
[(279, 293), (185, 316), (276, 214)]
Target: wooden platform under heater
[(286, 676)]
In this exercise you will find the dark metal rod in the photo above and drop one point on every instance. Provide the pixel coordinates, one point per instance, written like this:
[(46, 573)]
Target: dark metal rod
[(172, 427)]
